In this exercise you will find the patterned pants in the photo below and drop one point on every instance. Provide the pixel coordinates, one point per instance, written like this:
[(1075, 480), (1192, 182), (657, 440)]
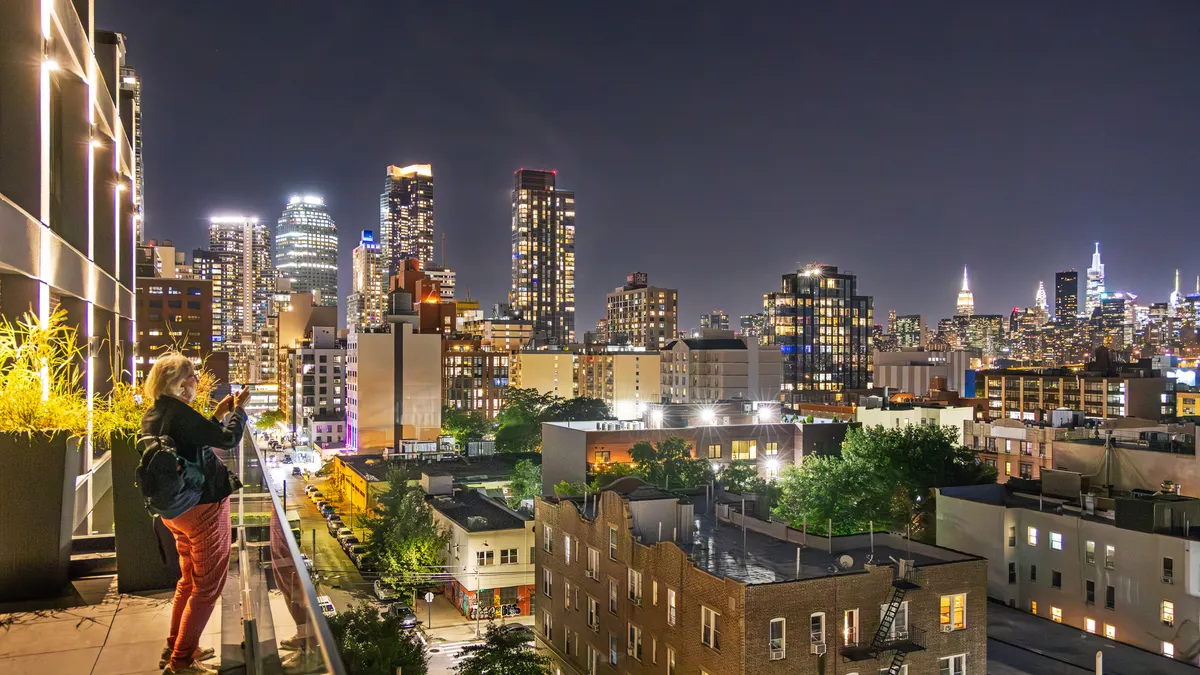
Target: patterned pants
[(202, 538)]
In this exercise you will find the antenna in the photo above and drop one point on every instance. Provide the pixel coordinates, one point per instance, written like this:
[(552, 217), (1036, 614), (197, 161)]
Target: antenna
[(845, 562), (443, 250)]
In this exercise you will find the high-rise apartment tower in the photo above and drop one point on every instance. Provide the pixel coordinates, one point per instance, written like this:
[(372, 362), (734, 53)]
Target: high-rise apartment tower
[(406, 217), (543, 248), (306, 248), (1066, 295)]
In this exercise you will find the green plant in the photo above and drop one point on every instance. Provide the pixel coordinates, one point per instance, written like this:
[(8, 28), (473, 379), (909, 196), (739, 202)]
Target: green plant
[(40, 376), (371, 644), (525, 482), (502, 653), (269, 419), (568, 489)]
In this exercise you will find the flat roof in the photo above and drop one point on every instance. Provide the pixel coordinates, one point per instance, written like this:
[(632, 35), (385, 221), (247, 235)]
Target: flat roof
[(717, 549), (375, 467), (467, 507)]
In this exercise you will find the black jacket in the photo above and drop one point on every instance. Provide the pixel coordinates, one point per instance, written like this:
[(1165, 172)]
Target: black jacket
[(194, 434)]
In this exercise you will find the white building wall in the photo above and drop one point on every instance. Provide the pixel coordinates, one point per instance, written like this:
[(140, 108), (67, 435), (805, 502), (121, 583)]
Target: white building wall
[(465, 545)]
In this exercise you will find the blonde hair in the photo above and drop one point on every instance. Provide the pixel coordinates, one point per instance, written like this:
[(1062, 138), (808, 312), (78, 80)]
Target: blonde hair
[(168, 372)]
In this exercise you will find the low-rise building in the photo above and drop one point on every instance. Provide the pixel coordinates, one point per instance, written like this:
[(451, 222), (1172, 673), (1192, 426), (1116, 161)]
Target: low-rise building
[(624, 378), (394, 388), (643, 582), (911, 370), (490, 554), (1187, 404), (720, 367), (1126, 569), (315, 386), (1032, 395), (501, 334), (895, 416), (551, 372)]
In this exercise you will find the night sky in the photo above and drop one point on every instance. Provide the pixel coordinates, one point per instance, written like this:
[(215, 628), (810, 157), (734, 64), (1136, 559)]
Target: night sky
[(712, 145)]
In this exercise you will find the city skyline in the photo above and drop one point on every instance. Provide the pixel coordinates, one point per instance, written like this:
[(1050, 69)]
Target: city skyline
[(1061, 175)]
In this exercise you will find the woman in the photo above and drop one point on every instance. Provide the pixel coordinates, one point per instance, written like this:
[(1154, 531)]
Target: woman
[(202, 535)]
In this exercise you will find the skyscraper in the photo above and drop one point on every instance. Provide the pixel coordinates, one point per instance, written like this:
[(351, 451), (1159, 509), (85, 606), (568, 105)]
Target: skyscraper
[(966, 299), (543, 249), (910, 331), (406, 217), (1066, 295), (246, 245), (823, 330), (714, 320), (131, 102), (1039, 298), (1095, 283), (365, 306), (1176, 298), (306, 248)]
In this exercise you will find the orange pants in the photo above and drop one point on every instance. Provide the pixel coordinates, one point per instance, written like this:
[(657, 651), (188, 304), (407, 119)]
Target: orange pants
[(203, 540)]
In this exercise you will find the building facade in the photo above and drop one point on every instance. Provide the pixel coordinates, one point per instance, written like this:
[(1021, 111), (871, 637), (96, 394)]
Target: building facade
[(1124, 569), (1066, 295), (822, 328), (1095, 283), (911, 371), (639, 582), (445, 277), (966, 299), (897, 416), (174, 315), (315, 390), (553, 372), (1029, 395), (625, 380), (365, 306), (306, 248), (641, 315), (239, 251), (474, 378), (68, 214), (543, 249), (714, 320), (910, 331), (698, 370), (406, 217)]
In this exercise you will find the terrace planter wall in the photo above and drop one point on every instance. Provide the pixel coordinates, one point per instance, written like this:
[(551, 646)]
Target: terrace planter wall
[(37, 505), (139, 535)]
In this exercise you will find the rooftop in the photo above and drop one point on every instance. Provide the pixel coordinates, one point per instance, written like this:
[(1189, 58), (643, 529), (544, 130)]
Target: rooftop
[(709, 343), (475, 512), (375, 468)]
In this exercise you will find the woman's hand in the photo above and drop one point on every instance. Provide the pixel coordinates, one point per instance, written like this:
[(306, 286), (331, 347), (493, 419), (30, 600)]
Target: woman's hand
[(242, 397), (224, 407)]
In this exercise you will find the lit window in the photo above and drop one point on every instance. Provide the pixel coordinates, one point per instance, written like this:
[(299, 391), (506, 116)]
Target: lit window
[(954, 611), (670, 607), (593, 565), (1110, 631), (1089, 625), (1089, 553), (635, 586), (547, 540), (1031, 536), (1168, 650), (1033, 606), (1110, 556), (1056, 541), (1168, 613), (1056, 614)]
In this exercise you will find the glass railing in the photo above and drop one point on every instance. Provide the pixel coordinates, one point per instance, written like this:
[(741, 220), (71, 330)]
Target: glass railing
[(285, 629)]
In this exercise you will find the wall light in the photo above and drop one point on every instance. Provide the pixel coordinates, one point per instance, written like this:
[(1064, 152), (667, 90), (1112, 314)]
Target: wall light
[(51, 65)]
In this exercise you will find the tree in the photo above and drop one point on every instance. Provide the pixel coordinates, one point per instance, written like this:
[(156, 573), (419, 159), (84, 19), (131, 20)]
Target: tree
[(742, 476), (269, 419), (669, 464), (519, 437), (607, 473), (405, 543), (885, 476), (568, 489), (465, 425), (503, 652), (829, 488), (370, 644), (578, 409), (526, 482)]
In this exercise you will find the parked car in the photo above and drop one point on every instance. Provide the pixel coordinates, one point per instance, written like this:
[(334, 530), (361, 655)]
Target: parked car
[(355, 551), (316, 496), (320, 504), (385, 592), (365, 563), (308, 565), (295, 471), (333, 525), (348, 542), (517, 629), (344, 532), (326, 606), (398, 610), (327, 510), (309, 489)]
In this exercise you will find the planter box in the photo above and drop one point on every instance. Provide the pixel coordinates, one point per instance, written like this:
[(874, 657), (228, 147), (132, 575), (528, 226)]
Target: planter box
[(138, 535), (37, 507)]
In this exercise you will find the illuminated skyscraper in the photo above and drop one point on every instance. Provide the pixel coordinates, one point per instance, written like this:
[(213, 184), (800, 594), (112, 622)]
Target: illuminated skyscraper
[(366, 304), (131, 109), (1039, 298), (714, 320), (823, 330), (406, 217), (966, 299), (306, 248), (1095, 283), (1066, 295), (543, 249), (1176, 298), (245, 245)]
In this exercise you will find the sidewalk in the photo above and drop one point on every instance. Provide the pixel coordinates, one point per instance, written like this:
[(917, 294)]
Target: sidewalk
[(449, 625)]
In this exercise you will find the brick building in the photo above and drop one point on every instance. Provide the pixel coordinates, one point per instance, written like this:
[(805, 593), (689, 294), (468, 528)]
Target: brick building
[(640, 582)]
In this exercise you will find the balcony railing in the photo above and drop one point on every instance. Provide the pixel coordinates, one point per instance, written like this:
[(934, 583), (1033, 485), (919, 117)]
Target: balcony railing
[(279, 601)]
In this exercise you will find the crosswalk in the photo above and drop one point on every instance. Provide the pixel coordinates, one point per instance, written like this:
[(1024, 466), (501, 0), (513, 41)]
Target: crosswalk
[(450, 650)]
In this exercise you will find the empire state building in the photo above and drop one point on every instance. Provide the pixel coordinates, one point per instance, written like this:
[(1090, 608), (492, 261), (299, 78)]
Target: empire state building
[(966, 300)]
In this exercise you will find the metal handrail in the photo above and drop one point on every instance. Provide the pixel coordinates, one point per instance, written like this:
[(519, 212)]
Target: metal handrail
[(320, 631)]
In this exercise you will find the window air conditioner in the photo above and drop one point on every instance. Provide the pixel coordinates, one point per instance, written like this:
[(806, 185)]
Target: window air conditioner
[(946, 628), (818, 648)]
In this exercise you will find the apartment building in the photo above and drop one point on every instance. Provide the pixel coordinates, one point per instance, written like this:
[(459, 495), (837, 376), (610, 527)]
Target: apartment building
[(315, 388), (641, 315), (1029, 395), (626, 379), (897, 416), (473, 378), (490, 554), (719, 367), (501, 334), (549, 371), (1125, 569), (635, 580), (911, 370)]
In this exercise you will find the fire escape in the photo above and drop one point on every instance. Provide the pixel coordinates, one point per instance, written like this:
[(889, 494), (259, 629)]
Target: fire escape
[(890, 640)]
